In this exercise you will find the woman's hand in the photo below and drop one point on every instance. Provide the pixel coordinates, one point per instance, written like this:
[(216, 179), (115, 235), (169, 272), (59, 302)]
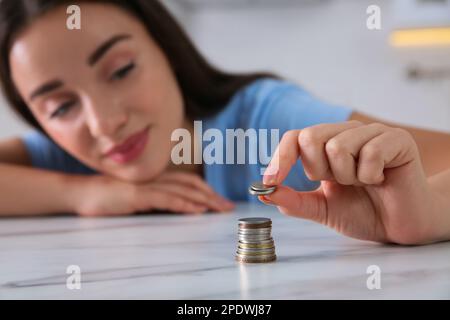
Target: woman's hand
[(373, 184), (172, 191)]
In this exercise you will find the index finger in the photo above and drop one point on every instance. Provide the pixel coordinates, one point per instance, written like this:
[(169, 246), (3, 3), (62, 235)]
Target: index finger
[(284, 157)]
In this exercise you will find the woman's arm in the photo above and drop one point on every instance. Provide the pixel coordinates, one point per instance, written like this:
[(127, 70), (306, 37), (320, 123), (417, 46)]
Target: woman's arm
[(29, 191), (26, 191), (434, 146), (13, 151), (440, 185)]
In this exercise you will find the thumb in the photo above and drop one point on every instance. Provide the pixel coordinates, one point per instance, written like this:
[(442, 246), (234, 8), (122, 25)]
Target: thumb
[(309, 205)]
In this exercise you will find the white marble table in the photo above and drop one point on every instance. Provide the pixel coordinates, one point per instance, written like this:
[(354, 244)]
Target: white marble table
[(192, 257)]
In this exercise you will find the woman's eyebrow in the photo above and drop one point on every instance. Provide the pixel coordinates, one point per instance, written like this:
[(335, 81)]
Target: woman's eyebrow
[(103, 48), (93, 58), (45, 88)]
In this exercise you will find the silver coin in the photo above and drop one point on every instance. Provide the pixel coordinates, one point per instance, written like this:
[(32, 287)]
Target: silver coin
[(253, 233), (259, 189), (265, 236), (255, 237), (261, 256), (244, 260), (262, 242), (252, 241), (269, 247), (255, 226), (255, 254), (254, 221), (258, 186), (255, 259), (256, 245), (255, 230), (259, 192), (256, 251), (262, 236)]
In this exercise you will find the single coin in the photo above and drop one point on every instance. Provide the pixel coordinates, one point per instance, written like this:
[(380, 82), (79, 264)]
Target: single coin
[(255, 237), (256, 251), (259, 238), (255, 230), (268, 241), (251, 241), (249, 233), (260, 256), (256, 255), (255, 226), (255, 245), (254, 221), (259, 259)]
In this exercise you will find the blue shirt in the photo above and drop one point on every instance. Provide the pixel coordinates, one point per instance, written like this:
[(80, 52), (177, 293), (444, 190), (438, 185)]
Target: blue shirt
[(264, 104)]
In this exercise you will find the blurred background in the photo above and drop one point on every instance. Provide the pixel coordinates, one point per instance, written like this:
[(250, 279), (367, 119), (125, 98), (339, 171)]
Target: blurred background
[(400, 72)]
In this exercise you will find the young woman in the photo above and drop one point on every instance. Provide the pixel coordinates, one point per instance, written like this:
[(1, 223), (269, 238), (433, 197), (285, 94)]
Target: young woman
[(104, 101)]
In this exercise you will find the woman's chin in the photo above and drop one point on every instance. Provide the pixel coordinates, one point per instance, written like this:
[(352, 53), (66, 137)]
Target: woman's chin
[(140, 173), (136, 176)]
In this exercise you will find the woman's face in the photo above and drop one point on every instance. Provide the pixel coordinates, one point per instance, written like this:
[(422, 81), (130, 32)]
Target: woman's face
[(105, 86)]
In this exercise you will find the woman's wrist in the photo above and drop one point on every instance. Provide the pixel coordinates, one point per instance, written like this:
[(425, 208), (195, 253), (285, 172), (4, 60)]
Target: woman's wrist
[(440, 217), (440, 212), (76, 191)]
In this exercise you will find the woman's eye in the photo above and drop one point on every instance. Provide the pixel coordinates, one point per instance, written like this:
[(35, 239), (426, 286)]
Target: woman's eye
[(122, 72), (62, 109)]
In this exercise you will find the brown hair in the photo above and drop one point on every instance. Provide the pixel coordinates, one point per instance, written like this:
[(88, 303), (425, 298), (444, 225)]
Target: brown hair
[(205, 89)]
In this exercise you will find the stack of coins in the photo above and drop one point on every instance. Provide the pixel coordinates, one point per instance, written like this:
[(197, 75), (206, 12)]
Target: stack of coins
[(260, 189), (255, 243)]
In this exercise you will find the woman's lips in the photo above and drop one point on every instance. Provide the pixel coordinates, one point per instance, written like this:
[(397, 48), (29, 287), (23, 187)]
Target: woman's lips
[(131, 149)]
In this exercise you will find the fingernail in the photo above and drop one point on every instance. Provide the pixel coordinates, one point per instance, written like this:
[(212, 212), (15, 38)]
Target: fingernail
[(270, 175), (270, 179), (271, 170), (231, 205), (223, 201), (227, 204)]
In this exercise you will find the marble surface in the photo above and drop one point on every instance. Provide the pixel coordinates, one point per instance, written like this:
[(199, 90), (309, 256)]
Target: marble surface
[(169, 256)]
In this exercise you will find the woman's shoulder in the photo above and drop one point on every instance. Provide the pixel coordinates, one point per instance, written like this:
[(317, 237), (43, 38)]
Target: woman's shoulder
[(257, 95), (264, 88), (265, 96), (268, 93), (278, 103)]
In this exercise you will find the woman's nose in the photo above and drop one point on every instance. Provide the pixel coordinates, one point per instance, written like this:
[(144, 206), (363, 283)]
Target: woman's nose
[(105, 118)]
